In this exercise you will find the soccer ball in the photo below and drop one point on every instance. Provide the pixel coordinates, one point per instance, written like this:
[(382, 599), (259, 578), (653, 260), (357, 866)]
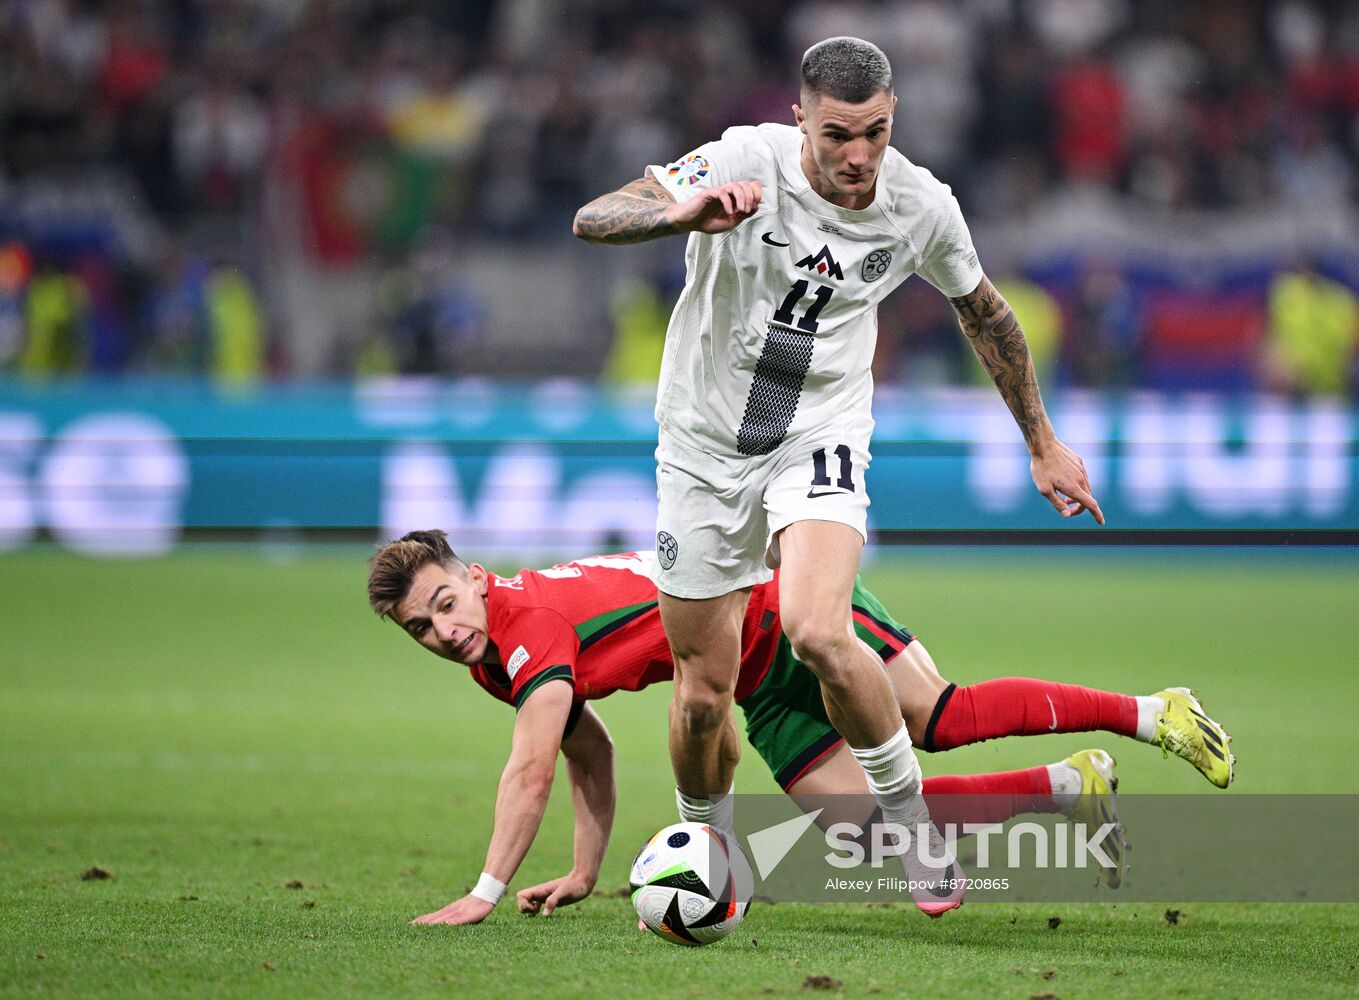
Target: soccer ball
[(691, 884)]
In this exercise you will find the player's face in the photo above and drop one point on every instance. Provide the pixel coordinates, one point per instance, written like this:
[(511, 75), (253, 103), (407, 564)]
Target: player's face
[(445, 612), (845, 145)]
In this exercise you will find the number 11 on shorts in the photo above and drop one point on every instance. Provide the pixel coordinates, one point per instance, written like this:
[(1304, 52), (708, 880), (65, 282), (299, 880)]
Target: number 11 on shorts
[(820, 477)]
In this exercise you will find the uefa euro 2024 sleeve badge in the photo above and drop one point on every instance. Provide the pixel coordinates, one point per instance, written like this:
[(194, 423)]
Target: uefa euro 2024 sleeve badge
[(690, 170), (875, 265)]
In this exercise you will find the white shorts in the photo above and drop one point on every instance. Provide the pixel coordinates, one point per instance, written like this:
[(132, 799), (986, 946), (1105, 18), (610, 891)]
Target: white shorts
[(720, 515)]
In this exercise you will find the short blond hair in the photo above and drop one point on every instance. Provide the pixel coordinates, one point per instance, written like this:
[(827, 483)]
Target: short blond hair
[(393, 568)]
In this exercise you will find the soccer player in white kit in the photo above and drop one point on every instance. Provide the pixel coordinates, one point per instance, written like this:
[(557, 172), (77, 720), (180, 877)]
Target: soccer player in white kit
[(796, 233)]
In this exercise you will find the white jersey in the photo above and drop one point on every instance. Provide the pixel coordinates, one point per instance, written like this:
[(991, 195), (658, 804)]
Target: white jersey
[(775, 330)]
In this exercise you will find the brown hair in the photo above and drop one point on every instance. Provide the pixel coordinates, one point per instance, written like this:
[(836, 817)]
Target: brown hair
[(847, 69), (394, 567)]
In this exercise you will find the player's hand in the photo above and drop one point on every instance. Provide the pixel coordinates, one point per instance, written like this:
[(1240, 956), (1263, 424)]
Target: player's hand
[(547, 896), (717, 210), (468, 910), (1059, 474)]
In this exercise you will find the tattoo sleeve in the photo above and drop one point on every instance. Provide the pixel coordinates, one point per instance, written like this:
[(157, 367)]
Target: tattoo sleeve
[(632, 214), (994, 333)]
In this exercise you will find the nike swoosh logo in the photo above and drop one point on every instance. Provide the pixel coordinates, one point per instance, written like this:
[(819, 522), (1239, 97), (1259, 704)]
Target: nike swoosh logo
[(1054, 712), (769, 238), (812, 494)]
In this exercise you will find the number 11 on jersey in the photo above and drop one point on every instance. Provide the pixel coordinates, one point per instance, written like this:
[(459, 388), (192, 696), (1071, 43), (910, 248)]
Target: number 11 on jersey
[(807, 322)]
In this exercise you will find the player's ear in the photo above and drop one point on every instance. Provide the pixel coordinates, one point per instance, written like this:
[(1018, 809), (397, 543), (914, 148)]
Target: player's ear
[(800, 118), (479, 578)]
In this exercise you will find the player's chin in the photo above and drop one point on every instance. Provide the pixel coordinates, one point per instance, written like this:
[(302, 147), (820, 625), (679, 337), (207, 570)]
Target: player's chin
[(474, 652)]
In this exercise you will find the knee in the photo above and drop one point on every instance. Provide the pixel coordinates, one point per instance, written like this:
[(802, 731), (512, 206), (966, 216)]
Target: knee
[(700, 709), (824, 646), (705, 642)]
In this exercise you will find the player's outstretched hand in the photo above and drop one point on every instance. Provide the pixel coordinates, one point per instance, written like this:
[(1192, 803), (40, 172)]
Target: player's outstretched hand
[(718, 209), (1060, 476), (547, 896), (468, 910)]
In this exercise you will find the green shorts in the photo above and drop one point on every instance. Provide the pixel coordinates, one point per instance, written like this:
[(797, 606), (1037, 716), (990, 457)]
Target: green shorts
[(786, 719)]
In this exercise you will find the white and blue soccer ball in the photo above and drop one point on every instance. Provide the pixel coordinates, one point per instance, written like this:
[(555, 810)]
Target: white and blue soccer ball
[(691, 884)]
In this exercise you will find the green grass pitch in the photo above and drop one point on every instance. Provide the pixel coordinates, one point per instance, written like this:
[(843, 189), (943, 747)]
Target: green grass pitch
[(216, 727)]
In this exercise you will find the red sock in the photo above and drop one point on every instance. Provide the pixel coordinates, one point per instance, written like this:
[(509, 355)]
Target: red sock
[(988, 798), (1022, 706)]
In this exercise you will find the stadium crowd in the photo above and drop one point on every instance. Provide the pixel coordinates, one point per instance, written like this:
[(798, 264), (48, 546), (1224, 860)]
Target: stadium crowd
[(184, 184)]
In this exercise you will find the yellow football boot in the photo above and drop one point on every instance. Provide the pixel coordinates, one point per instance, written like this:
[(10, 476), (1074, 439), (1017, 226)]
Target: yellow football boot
[(1096, 806), (1184, 729)]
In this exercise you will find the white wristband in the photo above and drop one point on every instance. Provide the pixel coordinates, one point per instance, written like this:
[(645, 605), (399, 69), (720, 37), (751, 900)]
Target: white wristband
[(489, 888)]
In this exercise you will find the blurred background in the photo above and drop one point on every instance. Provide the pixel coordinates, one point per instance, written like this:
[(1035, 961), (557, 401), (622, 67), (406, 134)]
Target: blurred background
[(280, 279), (313, 259)]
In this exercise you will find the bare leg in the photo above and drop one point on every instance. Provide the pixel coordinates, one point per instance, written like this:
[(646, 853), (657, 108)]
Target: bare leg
[(837, 773), (705, 640), (820, 560), (918, 687), (837, 786)]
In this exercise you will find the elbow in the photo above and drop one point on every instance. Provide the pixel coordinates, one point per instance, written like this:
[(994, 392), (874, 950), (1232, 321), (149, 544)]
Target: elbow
[(578, 228), (534, 783), (538, 785)]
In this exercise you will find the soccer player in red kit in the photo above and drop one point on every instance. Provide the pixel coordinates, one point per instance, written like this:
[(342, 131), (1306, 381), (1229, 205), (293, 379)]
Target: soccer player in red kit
[(548, 641)]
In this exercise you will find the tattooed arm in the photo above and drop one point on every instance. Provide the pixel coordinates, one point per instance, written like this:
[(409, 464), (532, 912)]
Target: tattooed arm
[(994, 333), (644, 210), (999, 344)]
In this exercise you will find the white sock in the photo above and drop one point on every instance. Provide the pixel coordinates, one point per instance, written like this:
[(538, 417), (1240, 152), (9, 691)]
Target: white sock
[(894, 777), (892, 770), (1066, 784), (1148, 706), (718, 812), (722, 814), (692, 810)]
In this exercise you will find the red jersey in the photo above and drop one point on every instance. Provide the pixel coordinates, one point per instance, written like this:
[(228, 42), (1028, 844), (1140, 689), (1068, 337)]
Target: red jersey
[(596, 623)]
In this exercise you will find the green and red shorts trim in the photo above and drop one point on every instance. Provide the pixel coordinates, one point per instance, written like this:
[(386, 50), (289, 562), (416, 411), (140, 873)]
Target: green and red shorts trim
[(786, 719)]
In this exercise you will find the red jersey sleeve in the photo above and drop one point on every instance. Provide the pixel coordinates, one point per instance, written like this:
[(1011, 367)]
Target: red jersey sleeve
[(536, 645)]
